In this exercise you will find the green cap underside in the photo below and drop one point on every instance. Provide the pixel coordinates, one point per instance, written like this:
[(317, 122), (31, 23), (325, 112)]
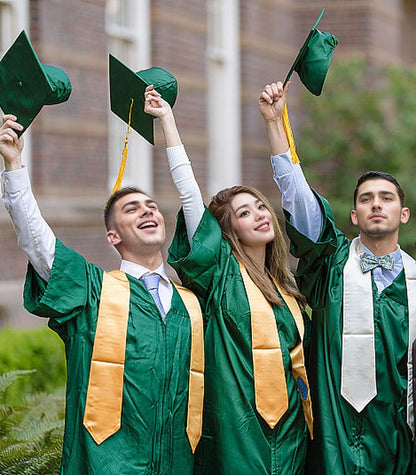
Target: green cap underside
[(26, 85)]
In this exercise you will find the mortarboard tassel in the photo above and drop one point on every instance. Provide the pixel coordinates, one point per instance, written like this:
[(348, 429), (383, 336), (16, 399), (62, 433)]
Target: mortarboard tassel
[(119, 180), (289, 135)]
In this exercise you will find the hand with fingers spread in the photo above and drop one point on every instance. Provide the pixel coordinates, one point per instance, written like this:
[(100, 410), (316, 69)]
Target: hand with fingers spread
[(272, 100), (11, 145)]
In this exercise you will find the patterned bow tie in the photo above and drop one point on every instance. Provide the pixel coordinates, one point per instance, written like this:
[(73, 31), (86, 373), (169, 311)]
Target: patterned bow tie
[(369, 262)]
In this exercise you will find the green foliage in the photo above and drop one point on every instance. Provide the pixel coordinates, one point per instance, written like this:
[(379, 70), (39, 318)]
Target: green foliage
[(365, 119), (31, 431), (39, 349)]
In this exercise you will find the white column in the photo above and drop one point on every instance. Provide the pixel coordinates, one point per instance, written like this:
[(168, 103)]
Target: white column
[(224, 108), (140, 169)]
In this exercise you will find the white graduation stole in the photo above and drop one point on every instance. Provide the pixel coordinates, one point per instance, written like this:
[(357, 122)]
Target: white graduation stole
[(358, 369)]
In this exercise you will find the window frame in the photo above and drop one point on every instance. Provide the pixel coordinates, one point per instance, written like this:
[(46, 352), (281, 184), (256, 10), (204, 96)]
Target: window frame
[(131, 44)]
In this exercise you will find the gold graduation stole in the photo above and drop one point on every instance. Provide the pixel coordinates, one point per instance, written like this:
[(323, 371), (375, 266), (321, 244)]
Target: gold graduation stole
[(269, 376), (197, 365), (102, 416), (298, 359)]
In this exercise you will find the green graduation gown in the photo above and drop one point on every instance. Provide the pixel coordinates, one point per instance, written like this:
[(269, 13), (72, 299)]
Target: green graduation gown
[(377, 440), (236, 440), (152, 437)]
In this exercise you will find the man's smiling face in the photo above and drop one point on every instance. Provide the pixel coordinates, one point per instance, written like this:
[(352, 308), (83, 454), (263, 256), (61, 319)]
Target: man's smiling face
[(137, 225)]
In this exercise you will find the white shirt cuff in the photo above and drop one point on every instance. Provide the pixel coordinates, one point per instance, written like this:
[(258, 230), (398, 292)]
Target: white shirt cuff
[(15, 180)]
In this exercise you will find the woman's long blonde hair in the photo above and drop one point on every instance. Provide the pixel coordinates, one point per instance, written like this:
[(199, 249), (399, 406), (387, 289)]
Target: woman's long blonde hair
[(276, 250)]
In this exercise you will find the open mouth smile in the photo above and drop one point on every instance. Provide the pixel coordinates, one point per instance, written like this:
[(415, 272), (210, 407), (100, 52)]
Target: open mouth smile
[(263, 227), (147, 224)]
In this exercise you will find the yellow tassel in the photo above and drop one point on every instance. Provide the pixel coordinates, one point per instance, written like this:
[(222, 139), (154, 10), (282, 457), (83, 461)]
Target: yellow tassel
[(119, 180), (289, 135)]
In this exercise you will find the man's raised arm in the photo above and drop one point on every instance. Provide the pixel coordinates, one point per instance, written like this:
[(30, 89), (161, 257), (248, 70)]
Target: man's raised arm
[(297, 197), (34, 235)]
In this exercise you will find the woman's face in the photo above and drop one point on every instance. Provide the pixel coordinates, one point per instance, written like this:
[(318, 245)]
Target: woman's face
[(251, 221)]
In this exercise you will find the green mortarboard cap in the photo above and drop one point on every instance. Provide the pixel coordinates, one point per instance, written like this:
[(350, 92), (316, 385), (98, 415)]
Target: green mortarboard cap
[(313, 59), (26, 85), (126, 85)]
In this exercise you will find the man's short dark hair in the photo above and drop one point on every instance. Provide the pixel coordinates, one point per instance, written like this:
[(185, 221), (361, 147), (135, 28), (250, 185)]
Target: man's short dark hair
[(109, 206), (375, 175)]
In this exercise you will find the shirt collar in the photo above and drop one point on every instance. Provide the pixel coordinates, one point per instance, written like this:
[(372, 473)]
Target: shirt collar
[(137, 271)]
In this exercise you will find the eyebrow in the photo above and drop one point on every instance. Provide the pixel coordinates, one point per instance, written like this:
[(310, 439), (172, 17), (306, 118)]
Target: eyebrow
[(137, 202), (246, 205)]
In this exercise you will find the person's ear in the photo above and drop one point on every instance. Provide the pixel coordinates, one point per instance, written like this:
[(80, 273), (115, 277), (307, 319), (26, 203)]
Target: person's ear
[(405, 215), (112, 237), (354, 219)]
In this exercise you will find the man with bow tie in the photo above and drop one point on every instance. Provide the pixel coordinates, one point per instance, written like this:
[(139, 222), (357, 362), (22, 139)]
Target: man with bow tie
[(363, 297)]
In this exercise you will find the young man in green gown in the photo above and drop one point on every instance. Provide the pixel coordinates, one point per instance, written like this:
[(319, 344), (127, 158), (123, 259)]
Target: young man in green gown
[(149, 434), (362, 294)]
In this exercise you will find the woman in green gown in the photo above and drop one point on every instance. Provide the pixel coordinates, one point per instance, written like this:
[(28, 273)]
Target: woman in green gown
[(256, 391)]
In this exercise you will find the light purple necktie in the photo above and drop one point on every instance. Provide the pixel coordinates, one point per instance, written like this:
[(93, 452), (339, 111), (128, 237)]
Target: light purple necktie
[(151, 282)]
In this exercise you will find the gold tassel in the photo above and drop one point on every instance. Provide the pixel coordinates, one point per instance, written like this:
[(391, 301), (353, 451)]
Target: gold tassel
[(289, 135), (117, 185)]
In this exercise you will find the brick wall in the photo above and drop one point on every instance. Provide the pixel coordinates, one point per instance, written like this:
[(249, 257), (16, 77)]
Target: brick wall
[(69, 141), (179, 45)]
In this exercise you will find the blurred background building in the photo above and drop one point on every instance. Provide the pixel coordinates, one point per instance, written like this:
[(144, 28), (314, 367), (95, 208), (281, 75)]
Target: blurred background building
[(222, 52)]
